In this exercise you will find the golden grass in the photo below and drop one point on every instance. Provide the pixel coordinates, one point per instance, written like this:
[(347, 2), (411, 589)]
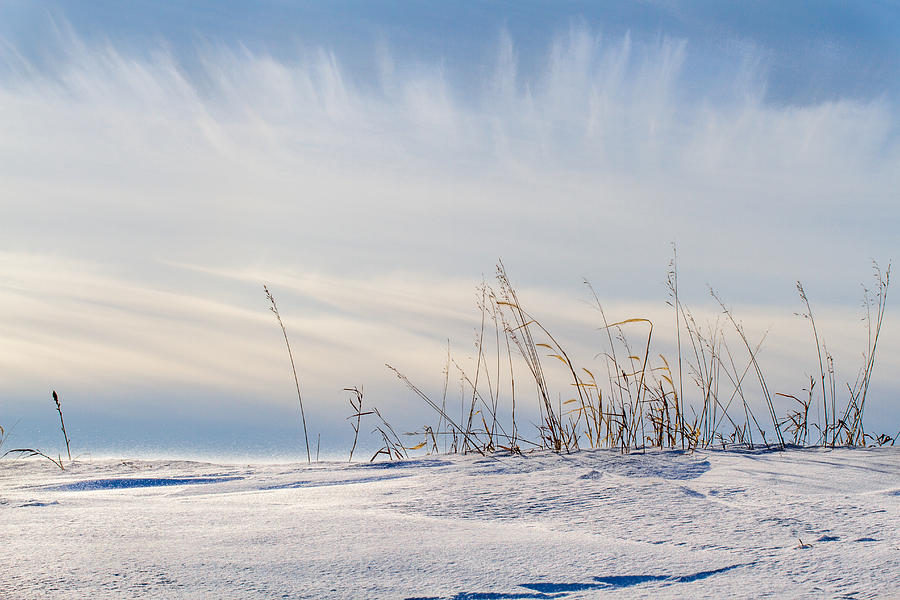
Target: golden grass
[(641, 402)]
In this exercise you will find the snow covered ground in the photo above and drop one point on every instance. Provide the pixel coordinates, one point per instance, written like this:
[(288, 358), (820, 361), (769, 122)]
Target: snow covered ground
[(588, 525)]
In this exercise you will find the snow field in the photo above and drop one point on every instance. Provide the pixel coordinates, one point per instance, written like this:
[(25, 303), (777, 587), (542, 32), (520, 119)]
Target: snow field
[(593, 524)]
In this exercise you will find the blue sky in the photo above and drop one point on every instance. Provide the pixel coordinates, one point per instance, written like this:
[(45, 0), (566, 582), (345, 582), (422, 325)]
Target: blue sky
[(372, 160), (815, 50)]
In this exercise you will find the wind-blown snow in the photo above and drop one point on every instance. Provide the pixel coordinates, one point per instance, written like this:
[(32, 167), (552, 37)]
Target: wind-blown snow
[(714, 524)]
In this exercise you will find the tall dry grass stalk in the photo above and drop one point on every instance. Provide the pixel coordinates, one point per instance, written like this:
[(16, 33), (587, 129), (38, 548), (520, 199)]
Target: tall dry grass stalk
[(273, 306), (828, 418), (62, 424)]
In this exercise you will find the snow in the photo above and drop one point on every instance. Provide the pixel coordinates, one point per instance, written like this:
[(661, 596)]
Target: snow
[(712, 524)]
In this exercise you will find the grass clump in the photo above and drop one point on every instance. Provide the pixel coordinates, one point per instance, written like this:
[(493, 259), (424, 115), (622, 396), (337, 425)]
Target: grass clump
[(392, 447), (634, 399), (845, 427)]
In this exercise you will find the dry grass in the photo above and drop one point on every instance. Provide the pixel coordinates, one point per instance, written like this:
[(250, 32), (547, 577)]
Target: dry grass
[(356, 401), (62, 423), (29, 452), (849, 428), (641, 401), (632, 400), (273, 306)]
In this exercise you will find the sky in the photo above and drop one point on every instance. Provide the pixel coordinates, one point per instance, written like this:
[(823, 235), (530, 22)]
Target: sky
[(372, 161)]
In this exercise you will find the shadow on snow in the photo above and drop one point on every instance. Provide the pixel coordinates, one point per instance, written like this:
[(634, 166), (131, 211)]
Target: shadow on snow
[(136, 482), (560, 590)]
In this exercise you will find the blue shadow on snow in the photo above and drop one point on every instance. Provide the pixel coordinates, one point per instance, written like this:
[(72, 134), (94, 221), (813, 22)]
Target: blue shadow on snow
[(559, 590), (137, 482)]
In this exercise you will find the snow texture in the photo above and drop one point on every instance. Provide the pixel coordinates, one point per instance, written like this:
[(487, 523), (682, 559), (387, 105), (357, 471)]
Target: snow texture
[(596, 524)]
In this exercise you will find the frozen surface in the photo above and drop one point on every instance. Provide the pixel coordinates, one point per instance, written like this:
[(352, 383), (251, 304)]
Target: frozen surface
[(587, 525)]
